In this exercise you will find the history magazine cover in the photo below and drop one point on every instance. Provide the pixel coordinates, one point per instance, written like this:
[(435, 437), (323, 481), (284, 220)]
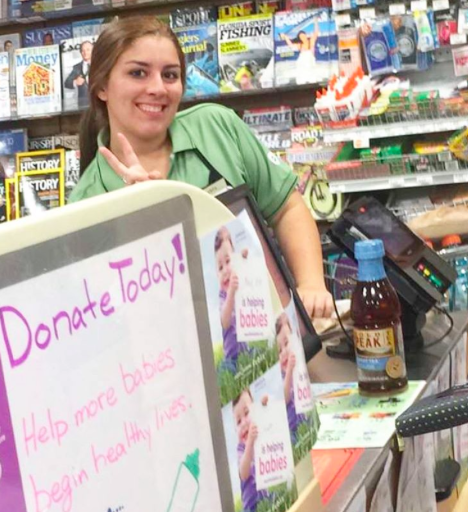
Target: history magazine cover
[(38, 84), (7, 171), (10, 198), (39, 181), (245, 48)]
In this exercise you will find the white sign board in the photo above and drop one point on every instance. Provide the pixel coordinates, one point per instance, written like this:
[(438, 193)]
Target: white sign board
[(108, 397)]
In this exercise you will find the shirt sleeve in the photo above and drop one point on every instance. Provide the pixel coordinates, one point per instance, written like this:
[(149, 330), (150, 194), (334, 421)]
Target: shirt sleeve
[(268, 177)]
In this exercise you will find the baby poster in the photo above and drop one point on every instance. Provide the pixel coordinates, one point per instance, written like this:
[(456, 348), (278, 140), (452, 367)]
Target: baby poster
[(243, 334), (303, 399), (303, 419), (273, 452), (253, 309), (259, 447)]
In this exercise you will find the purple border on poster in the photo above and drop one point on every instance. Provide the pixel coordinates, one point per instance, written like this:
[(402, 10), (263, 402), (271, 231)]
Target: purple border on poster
[(11, 487)]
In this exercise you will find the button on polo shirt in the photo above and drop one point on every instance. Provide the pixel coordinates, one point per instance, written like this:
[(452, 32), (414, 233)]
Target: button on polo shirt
[(227, 144)]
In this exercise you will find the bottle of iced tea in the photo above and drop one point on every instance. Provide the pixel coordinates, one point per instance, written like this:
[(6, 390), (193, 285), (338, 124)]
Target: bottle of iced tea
[(378, 338)]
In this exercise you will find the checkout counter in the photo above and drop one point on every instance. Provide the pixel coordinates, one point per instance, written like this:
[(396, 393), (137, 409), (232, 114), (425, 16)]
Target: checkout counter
[(420, 277), (423, 365)]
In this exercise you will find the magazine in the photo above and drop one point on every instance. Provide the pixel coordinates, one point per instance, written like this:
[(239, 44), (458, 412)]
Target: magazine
[(72, 171), (238, 10), (9, 43), (62, 140), (39, 181), (268, 119), (40, 143), (7, 171), (13, 141), (47, 36), (54, 8), (199, 45), (245, 47), (5, 98), (86, 28), (182, 18), (76, 61), (3, 200), (276, 141), (268, 6), (38, 80), (306, 47), (10, 199)]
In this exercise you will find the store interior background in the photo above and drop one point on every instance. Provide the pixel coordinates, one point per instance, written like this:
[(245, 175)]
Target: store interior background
[(422, 186)]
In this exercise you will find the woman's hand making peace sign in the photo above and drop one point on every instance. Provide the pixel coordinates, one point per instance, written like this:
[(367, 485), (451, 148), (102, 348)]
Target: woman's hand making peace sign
[(129, 169)]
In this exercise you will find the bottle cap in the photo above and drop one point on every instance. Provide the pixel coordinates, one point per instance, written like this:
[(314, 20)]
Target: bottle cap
[(449, 240), (369, 249)]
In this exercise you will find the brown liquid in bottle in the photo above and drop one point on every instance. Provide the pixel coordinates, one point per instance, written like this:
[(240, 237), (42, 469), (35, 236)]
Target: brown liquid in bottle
[(378, 338)]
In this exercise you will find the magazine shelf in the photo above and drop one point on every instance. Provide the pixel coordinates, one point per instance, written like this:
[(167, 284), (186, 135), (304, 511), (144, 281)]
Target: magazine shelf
[(255, 97), (26, 16)]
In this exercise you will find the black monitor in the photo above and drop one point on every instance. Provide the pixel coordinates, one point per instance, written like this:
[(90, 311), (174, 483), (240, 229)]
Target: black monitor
[(239, 199), (418, 274)]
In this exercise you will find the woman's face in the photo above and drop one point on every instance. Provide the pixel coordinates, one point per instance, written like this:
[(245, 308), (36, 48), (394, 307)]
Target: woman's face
[(144, 89)]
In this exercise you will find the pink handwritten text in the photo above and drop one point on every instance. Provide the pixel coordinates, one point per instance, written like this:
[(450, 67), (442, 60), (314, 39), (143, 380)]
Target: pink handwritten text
[(54, 430), (175, 409), (19, 333), (105, 399), (60, 492), (148, 276), (148, 370)]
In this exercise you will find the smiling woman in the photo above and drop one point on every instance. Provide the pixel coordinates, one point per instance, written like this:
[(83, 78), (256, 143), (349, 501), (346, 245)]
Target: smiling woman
[(132, 133)]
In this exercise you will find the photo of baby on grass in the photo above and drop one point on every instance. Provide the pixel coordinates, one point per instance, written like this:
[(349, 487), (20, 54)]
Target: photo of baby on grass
[(240, 309), (259, 448), (302, 414)]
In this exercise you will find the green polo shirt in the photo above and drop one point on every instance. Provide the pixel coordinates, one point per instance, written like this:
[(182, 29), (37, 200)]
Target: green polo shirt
[(227, 144)]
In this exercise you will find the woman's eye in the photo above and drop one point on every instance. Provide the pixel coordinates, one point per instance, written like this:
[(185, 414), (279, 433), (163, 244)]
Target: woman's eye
[(171, 75), (138, 73)]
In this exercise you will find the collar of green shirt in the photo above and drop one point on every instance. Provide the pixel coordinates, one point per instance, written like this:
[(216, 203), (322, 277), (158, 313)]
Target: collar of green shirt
[(180, 138)]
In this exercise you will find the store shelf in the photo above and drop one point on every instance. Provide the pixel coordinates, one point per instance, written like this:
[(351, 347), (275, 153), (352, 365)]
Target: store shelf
[(235, 97), (36, 117), (400, 129), (229, 99), (394, 182), (100, 10)]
